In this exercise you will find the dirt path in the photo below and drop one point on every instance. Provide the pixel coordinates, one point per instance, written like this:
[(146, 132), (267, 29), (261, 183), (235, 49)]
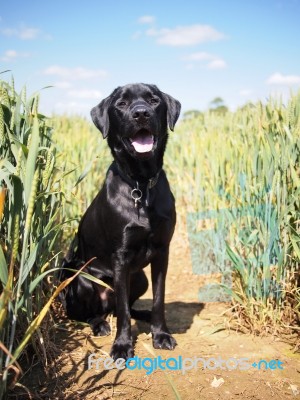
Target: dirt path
[(199, 331)]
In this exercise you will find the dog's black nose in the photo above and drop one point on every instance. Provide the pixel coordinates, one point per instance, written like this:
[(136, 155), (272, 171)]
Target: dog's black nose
[(140, 112)]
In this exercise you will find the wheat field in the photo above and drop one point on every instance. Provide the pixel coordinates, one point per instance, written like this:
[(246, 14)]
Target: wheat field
[(236, 180)]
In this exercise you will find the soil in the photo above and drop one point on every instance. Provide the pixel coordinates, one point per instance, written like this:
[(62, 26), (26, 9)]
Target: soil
[(201, 330)]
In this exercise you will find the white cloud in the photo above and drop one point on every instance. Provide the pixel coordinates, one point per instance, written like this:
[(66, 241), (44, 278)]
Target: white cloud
[(22, 33), (9, 55), (217, 64), (72, 107), (186, 35), (77, 73), (200, 56), (190, 67), (137, 35), (211, 61), (29, 33), (279, 79), (85, 94), (12, 55), (146, 19), (62, 85)]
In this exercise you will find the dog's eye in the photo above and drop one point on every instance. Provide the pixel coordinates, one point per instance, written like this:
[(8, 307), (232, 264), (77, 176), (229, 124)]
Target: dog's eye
[(121, 103), (153, 100)]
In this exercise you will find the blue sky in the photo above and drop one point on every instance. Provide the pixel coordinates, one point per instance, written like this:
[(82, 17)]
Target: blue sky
[(194, 50)]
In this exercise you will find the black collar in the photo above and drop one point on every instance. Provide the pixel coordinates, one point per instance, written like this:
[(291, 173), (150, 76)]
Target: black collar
[(136, 186)]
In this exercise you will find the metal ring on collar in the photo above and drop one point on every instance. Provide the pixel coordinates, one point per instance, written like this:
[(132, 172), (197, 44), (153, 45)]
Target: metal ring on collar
[(136, 194)]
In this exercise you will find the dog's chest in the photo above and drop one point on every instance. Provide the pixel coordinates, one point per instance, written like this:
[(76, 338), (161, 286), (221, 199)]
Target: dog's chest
[(142, 239)]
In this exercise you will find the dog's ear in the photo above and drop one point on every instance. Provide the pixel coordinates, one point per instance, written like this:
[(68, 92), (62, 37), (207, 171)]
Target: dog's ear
[(173, 110), (100, 116)]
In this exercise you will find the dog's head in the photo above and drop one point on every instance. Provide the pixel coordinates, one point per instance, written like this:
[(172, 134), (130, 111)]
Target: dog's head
[(135, 118)]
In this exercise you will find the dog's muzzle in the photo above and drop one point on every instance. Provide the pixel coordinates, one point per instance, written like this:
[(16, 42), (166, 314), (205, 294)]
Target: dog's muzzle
[(142, 141)]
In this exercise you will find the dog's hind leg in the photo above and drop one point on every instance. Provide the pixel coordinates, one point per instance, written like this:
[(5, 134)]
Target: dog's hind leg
[(98, 324), (86, 301)]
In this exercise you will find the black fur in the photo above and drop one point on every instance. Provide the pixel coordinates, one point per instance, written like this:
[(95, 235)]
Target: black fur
[(123, 234)]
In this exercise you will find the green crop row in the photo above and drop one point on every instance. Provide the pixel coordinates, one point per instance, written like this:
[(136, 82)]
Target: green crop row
[(30, 202)]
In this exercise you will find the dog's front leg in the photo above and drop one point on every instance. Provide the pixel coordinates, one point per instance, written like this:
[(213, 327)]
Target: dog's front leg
[(122, 346), (161, 336)]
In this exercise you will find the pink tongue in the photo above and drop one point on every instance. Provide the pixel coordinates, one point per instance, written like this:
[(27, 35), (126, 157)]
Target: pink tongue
[(142, 143)]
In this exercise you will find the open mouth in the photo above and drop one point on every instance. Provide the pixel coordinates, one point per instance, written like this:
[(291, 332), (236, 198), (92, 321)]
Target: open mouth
[(143, 141)]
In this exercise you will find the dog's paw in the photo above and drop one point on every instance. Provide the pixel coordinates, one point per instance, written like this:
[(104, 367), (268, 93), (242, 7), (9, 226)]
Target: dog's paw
[(163, 340), (100, 327), (121, 350)]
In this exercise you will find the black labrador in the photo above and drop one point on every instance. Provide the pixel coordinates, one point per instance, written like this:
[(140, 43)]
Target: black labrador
[(131, 221)]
